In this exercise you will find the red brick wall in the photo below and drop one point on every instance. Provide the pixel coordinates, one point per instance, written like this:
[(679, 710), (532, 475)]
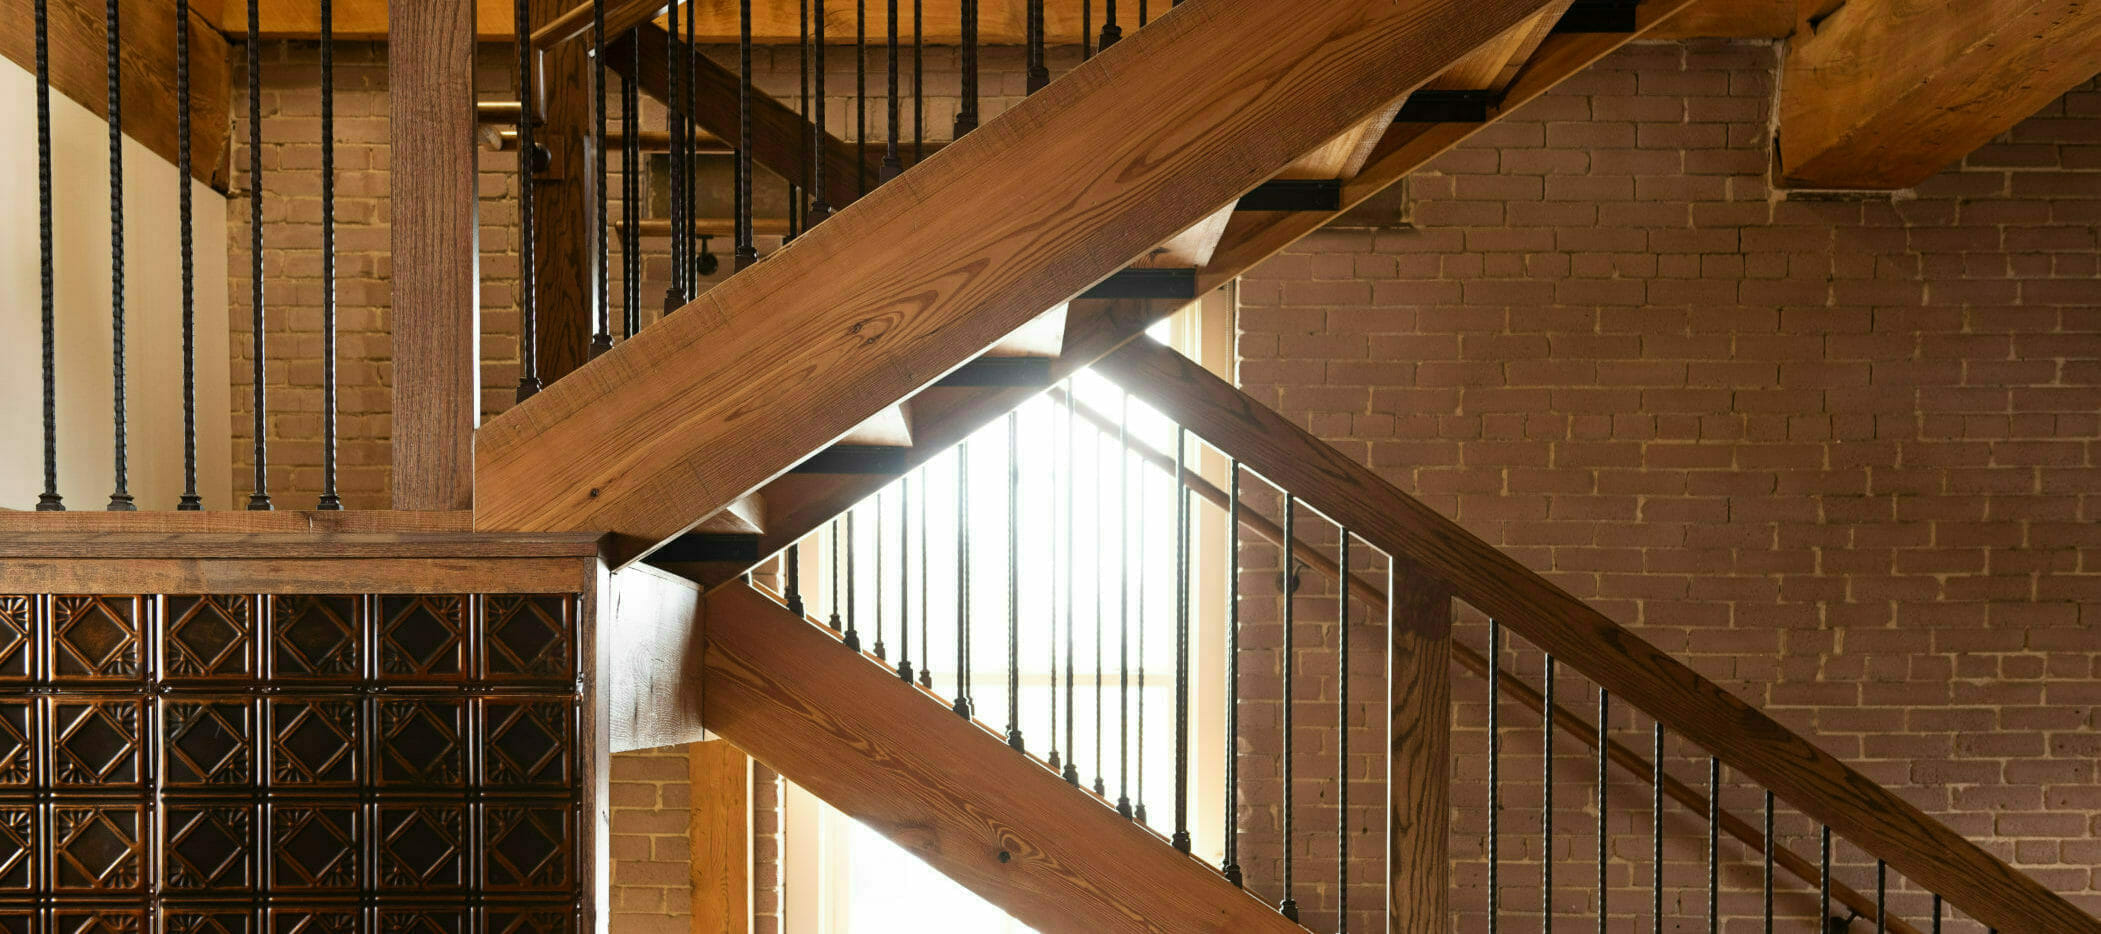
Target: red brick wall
[(1838, 455)]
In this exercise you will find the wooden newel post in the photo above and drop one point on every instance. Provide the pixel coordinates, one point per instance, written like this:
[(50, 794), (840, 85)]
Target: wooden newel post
[(1419, 769), (437, 294)]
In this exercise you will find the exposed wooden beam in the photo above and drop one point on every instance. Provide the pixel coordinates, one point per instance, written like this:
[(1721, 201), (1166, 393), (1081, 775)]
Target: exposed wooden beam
[(1747, 740), (436, 287), (277, 562), (1884, 93), (564, 198), (1419, 759), (999, 822), (656, 659), (354, 19), (718, 832), (79, 71)]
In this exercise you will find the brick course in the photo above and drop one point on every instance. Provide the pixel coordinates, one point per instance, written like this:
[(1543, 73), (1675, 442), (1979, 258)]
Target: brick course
[(1835, 453)]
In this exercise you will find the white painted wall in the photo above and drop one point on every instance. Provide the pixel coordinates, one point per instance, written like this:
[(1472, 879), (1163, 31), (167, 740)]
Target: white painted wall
[(153, 309)]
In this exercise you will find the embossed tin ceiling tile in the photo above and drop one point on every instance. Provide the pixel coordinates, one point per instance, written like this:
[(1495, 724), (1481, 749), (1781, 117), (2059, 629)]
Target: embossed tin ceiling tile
[(208, 742), (527, 637), (422, 742), (209, 637), (95, 743), (423, 638), (17, 637), (529, 847), (314, 847), (314, 741), (208, 848), (422, 847), (97, 848), (318, 636), (527, 741), (97, 638)]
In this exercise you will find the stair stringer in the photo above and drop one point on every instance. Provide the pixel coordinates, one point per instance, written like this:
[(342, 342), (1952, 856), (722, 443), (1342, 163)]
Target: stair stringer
[(997, 821)]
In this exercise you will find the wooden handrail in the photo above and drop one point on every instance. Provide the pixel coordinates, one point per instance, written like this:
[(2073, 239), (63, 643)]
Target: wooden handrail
[(1529, 698), (620, 16), (1741, 736)]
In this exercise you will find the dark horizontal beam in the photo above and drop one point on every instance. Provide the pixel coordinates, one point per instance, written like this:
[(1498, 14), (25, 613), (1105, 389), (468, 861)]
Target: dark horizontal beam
[(1434, 106), (1146, 284), (704, 547), (1606, 16), (1294, 194), (1004, 372)]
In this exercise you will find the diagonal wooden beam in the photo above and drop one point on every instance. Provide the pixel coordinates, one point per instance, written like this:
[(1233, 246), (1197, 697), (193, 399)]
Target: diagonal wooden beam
[(999, 822), (1743, 737), (780, 136), (928, 271), (1884, 93)]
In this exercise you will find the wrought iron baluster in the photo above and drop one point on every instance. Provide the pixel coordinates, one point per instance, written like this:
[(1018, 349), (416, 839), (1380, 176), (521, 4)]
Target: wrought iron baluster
[(963, 704), (809, 135), (1495, 775), (1656, 835), (1546, 810), (1056, 565), (675, 161), (1086, 29), (1289, 907), (918, 73), (691, 258), (186, 210), (794, 582), (1101, 614), (1072, 450), (330, 500), (259, 498), (1181, 494), (49, 500), (1039, 73), (747, 251), (820, 141), (528, 268), (1881, 897), (1604, 780), (1142, 19), (860, 98), (120, 498), (1823, 903), (891, 165), (1123, 596), (631, 195), (602, 338), (1231, 863), (926, 606), (967, 108), (904, 578), (1714, 845), (881, 651), (853, 545), (1111, 33), (1139, 579), (1936, 914), (1768, 893), (1014, 581), (1342, 738), (834, 622)]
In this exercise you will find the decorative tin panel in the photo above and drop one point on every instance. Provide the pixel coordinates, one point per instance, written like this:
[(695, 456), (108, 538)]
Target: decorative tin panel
[(259, 764)]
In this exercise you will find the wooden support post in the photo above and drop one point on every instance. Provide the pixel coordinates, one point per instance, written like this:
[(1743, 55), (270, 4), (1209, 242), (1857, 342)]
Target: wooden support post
[(563, 244), (1419, 771), (437, 392), (720, 832)]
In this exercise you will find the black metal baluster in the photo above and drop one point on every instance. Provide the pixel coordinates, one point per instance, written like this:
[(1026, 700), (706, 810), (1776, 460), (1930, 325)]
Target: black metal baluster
[(853, 632), (675, 162), (1072, 452), (1495, 772), (1056, 564), (1101, 613), (967, 108), (963, 705), (1823, 903), (1936, 914), (860, 98), (808, 134), (881, 651), (1086, 29), (1289, 906), (1714, 845), (794, 582), (329, 498), (1768, 894), (1039, 72), (259, 498), (820, 141), (528, 269), (1139, 580), (918, 72), (1231, 865), (1546, 810), (602, 338), (631, 195), (688, 255), (747, 250), (891, 165), (1181, 494), (834, 622), (186, 209), (926, 606), (1123, 596), (1656, 835), (119, 498), (1110, 31), (1604, 832), (1881, 897), (1342, 739), (1014, 581), (49, 500), (904, 578)]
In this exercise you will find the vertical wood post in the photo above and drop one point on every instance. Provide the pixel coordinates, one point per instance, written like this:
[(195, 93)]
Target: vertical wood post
[(1419, 769), (564, 212), (719, 831), (436, 297)]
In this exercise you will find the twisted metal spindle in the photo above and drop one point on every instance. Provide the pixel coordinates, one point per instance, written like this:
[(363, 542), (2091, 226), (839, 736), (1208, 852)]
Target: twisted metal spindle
[(631, 195), (1086, 29), (1014, 581), (687, 254), (1823, 900), (1342, 741), (794, 582), (926, 606), (1111, 33), (891, 164), (1231, 861), (602, 336), (1056, 565), (819, 207), (528, 268), (186, 211), (962, 705), (1289, 906), (259, 498), (918, 73), (1546, 810), (1039, 71), (1181, 835), (1123, 596), (860, 98), (904, 578), (330, 500), (1604, 832), (1656, 835), (853, 632), (1495, 760), (1141, 510), (747, 251), (1768, 892), (1101, 615), (1072, 450), (1714, 845), (675, 162), (834, 621), (881, 651), (810, 135), (49, 500), (120, 498), (967, 108)]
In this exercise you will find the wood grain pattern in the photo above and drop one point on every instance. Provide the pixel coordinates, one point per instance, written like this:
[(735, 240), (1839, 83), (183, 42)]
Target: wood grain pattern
[(280, 545), (1744, 738), (236, 521), (454, 574), (79, 70), (564, 204), (719, 834), (998, 822), (904, 286), (1419, 761), (656, 683), (1255, 236), (354, 19), (436, 239), (1885, 93), (1740, 19)]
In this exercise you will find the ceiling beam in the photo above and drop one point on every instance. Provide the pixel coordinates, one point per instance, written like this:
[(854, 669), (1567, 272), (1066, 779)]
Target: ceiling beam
[(1884, 93)]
